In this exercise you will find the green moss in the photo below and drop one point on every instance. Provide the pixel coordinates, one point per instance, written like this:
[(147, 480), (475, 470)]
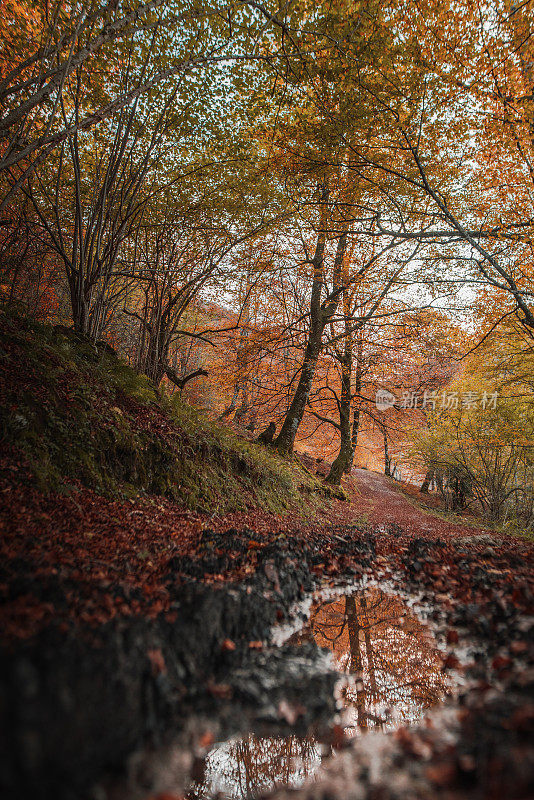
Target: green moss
[(78, 413)]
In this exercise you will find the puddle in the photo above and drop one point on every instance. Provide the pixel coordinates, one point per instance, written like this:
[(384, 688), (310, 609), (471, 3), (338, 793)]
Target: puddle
[(389, 656), (249, 766), (390, 674)]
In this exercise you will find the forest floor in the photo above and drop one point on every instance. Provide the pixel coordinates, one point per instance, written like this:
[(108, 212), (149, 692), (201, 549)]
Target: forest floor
[(146, 553), (80, 561), (79, 557)]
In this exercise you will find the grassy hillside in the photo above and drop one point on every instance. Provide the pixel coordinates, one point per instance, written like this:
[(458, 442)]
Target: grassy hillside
[(75, 413)]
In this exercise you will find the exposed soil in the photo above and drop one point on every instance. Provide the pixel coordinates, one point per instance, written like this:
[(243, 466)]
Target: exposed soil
[(384, 502), (77, 701)]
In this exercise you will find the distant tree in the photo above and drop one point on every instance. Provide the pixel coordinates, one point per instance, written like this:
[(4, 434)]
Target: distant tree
[(480, 438)]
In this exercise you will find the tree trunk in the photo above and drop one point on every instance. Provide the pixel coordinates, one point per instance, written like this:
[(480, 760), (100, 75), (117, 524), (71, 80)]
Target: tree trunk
[(268, 434), (156, 358), (80, 316), (356, 666), (319, 317), (341, 462), (233, 403), (354, 439), (243, 359), (241, 412), (387, 460), (425, 486), (369, 650), (356, 412), (80, 304), (286, 438)]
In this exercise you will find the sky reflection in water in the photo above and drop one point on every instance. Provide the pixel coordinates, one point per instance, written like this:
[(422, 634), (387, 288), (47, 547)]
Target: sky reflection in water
[(392, 671)]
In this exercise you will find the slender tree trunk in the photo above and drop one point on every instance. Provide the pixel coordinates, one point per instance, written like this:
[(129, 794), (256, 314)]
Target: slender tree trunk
[(354, 439), (233, 403), (425, 486), (242, 363), (157, 350), (242, 411), (387, 460), (356, 666), (81, 306), (286, 438), (319, 317), (369, 649), (356, 411), (340, 464)]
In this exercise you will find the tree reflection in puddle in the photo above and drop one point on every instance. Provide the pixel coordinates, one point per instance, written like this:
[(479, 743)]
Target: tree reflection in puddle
[(246, 767), (392, 674), (393, 667)]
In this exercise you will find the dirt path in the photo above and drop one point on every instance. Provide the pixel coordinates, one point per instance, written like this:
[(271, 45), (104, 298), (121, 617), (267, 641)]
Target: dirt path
[(383, 503)]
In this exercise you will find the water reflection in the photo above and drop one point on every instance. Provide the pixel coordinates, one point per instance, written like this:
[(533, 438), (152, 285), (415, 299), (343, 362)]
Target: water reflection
[(392, 672), (245, 768), (389, 655)]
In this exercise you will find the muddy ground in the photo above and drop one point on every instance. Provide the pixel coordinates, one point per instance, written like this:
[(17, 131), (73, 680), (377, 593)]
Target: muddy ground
[(77, 703)]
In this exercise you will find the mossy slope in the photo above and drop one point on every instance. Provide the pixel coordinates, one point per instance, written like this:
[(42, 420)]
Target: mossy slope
[(76, 413)]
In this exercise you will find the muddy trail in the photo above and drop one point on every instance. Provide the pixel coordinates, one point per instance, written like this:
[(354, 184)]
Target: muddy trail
[(382, 501), (413, 680)]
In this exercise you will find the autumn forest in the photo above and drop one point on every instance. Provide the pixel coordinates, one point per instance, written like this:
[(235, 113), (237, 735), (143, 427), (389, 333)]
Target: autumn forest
[(267, 330)]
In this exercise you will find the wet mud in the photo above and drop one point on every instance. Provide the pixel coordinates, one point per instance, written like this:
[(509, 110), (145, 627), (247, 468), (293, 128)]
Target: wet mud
[(359, 697), (75, 705)]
